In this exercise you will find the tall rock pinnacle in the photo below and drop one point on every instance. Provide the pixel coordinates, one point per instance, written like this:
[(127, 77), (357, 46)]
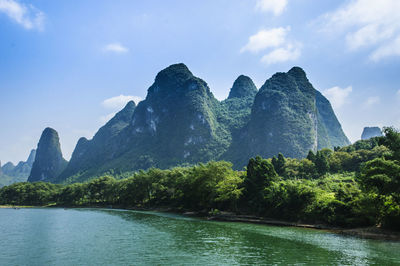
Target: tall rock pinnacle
[(49, 162)]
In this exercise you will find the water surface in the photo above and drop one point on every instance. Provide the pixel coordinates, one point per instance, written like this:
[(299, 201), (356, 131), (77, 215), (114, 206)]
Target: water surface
[(116, 237)]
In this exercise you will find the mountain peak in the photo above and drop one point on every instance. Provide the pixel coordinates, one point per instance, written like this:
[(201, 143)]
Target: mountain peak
[(130, 104), (170, 79), (31, 157), (125, 114), (49, 132), (243, 87), (48, 161), (175, 71), (297, 72)]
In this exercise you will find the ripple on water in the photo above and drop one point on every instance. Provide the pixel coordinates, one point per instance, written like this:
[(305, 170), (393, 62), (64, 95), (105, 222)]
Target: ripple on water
[(93, 236)]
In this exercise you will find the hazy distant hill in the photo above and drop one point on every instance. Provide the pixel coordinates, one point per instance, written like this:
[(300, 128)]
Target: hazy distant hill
[(370, 132), (9, 173)]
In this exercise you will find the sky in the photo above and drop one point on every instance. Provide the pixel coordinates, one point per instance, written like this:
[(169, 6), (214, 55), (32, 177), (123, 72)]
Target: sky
[(71, 65)]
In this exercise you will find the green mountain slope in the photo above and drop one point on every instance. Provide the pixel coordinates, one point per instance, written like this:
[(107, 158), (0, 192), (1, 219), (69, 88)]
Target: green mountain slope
[(90, 156), (180, 122)]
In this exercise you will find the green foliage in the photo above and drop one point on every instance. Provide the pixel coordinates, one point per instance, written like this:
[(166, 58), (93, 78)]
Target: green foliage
[(321, 163), (381, 178), (260, 174), (279, 164), (392, 141), (320, 190), (288, 199), (37, 193), (311, 156)]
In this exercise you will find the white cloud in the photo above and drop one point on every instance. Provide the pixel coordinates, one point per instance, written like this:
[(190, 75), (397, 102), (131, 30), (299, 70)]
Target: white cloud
[(337, 96), (119, 102), (274, 6), (27, 16), (288, 53), (372, 101), (115, 48), (283, 50), (398, 94), (389, 49), (368, 24), (266, 39)]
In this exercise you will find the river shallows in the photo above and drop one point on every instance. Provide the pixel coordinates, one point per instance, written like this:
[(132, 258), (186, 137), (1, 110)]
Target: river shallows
[(116, 237)]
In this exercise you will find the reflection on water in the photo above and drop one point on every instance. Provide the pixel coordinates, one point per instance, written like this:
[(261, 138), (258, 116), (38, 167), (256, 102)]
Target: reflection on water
[(93, 236)]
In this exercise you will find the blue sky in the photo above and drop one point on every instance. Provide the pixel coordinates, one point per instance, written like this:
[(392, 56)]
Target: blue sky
[(71, 64)]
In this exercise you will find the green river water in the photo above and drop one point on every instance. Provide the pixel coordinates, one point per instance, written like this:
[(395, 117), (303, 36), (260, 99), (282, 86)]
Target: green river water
[(117, 237)]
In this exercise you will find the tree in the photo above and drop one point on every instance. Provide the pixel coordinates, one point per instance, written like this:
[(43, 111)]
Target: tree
[(307, 169), (279, 164), (274, 162), (260, 174), (321, 163), (340, 161), (101, 190), (72, 195), (392, 141), (311, 156), (229, 191), (381, 178), (280, 170)]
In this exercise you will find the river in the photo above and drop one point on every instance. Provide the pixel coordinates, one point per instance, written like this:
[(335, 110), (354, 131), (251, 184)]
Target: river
[(51, 236)]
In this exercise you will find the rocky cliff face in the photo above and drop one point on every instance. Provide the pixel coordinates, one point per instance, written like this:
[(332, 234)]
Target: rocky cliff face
[(288, 116), (177, 121), (31, 158), (284, 117), (48, 163), (370, 132), (180, 122)]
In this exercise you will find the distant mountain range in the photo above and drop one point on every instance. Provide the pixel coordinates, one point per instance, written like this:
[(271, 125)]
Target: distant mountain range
[(9, 173), (181, 123)]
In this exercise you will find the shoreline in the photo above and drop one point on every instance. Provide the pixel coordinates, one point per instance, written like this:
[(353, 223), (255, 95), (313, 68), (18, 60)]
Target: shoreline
[(372, 232)]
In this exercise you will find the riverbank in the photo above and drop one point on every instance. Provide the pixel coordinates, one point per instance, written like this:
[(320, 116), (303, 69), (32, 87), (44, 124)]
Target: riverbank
[(372, 232), (18, 207)]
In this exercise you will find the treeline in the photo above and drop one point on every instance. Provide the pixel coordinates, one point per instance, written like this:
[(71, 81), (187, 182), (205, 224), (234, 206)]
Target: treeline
[(358, 185)]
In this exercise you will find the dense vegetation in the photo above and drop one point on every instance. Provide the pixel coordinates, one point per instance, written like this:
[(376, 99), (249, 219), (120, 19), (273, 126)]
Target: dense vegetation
[(357, 185)]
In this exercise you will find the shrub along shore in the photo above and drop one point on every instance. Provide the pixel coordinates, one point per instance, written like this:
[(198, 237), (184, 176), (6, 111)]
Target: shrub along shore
[(353, 186)]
